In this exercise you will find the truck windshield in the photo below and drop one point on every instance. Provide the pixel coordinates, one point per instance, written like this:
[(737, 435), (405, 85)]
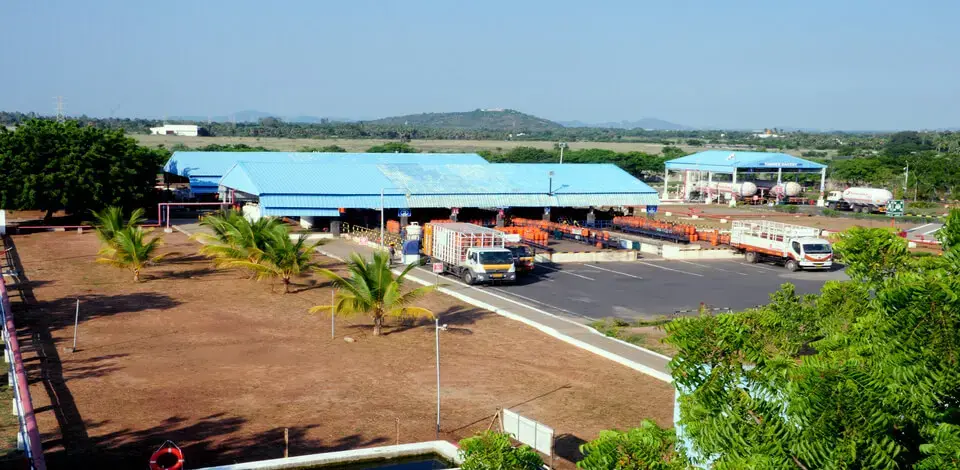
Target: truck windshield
[(520, 251), (496, 257), (815, 248)]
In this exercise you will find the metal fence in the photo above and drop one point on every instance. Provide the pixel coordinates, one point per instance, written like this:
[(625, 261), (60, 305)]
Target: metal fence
[(28, 435)]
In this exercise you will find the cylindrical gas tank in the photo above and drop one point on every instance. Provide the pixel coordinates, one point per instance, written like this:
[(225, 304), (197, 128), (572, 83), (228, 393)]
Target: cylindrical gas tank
[(788, 189), (874, 196), (744, 189)]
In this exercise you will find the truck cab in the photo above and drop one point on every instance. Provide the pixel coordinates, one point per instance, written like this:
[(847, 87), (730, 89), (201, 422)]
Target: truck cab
[(809, 253), (489, 264), (835, 196), (522, 258)]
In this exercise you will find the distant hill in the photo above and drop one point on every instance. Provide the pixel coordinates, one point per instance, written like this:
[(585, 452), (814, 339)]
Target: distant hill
[(645, 123), (252, 115), (487, 119)]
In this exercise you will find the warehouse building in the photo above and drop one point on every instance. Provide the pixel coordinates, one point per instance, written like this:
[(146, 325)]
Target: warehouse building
[(737, 175), (204, 169), (186, 130), (426, 190)]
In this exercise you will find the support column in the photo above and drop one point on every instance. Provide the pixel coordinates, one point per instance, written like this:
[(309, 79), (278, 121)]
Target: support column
[(453, 215), (666, 183), (591, 218), (733, 189), (404, 221), (499, 218), (708, 189), (779, 175), (823, 182), (546, 214)]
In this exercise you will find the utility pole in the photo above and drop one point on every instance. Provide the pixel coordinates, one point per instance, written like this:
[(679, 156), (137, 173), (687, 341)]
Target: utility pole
[(906, 179), (562, 145), (60, 116)]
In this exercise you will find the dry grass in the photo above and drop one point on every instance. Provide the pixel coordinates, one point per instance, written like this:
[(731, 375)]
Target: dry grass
[(360, 145)]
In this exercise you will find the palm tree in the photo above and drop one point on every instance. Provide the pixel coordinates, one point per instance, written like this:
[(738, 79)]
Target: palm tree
[(110, 221), (280, 258), (235, 237), (128, 249), (373, 289)]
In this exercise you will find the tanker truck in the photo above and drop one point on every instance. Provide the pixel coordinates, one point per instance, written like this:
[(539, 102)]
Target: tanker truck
[(728, 190), (865, 200), (786, 189)]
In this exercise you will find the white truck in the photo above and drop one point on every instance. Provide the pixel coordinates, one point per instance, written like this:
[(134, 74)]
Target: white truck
[(795, 246), (473, 253), (865, 200)]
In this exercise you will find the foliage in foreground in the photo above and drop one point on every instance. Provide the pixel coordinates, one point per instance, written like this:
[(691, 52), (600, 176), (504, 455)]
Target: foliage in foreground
[(129, 249), (645, 447), (863, 375), (372, 289), (494, 451), (110, 221)]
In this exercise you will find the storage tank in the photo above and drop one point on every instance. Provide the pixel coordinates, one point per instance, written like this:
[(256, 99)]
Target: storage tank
[(867, 196), (788, 188), (744, 189)]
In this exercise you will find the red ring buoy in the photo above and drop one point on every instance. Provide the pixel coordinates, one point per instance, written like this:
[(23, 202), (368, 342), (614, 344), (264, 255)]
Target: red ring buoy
[(163, 451)]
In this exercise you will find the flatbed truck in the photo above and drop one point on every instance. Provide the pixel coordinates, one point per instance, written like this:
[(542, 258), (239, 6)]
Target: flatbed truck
[(795, 246), (473, 253)]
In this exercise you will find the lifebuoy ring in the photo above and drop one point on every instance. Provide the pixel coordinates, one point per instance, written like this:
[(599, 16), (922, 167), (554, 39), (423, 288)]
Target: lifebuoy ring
[(164, 450)]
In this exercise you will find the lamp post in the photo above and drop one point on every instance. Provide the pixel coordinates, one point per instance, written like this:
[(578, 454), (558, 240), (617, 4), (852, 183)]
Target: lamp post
[(383, 242), (550, 189), (437, 327), (562, 145)]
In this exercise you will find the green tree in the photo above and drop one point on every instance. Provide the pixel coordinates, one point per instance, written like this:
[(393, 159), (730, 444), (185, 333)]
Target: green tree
[(129, 249), (326, 148), (53, 166), (494, 451), (671, 152), (863, 375), (235, 237), (281, 258), (647, 447), (392, 147), (372, 289), (110, 221)]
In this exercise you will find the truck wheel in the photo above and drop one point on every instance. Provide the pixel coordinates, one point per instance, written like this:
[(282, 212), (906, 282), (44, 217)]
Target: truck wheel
[(865, 210), (751, 256), (832, 205), (792, 266), (468, 277)]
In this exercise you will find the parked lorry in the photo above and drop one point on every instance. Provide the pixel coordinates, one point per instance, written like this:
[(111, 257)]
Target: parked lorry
[(865, 200), (473, 253), (796, 246), (523, 258)]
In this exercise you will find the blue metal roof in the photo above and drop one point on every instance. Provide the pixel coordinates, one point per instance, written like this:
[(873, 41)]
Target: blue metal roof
[(724, 161), (322, 185), (216, 164)]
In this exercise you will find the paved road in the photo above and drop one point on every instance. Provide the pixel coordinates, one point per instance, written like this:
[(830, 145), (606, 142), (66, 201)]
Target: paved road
[(927, 232), (649, 288)]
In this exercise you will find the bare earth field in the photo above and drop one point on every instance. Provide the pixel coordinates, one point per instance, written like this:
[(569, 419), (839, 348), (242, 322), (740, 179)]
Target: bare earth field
[(437, 146), (221, 365)]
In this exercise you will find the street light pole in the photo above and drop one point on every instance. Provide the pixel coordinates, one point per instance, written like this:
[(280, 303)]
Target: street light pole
[(550, 189), (382, 242), (562, 145)]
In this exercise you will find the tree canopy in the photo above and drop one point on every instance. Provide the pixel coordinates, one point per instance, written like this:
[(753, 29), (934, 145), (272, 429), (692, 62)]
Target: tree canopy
[(51, 166)]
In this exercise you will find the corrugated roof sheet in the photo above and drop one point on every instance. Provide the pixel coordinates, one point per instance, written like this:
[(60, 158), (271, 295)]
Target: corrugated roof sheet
[(724, 161), (216, 164), (320, 185)]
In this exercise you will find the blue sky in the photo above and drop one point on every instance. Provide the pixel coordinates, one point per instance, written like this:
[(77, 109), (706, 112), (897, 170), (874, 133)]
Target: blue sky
[(841, 64)]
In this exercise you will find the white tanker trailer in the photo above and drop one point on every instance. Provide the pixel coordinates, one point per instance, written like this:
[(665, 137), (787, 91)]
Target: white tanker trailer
[(864, 200), (784, 189), (744, 189)]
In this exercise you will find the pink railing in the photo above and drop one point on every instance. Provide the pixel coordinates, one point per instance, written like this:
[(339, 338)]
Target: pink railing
[(29, 433)]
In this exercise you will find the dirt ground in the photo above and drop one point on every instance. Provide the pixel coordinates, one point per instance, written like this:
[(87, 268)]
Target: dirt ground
[(221, 365), (710, 217)]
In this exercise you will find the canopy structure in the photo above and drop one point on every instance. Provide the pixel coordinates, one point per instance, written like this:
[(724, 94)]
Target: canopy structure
[(321, 189), (698, 170)]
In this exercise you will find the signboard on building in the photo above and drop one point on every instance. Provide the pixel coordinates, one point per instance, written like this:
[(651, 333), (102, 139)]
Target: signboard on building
[(404, 213), (895, 208), (455, 211), (651, 210)]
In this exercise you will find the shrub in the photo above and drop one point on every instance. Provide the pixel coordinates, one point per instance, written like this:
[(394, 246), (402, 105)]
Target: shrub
[(494, 451)]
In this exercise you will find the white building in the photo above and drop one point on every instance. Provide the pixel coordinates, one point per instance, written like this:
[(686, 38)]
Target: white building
[(188, 130)]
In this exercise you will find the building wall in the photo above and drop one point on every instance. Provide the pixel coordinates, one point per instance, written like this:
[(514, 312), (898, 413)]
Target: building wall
[(187, 130)]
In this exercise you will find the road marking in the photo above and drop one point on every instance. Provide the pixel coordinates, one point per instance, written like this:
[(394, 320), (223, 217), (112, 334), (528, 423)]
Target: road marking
[(540, 303), (918, 228), (612, 271), (671, 269), (567, 272), (756, 266), (713, 267), (932, 231)]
